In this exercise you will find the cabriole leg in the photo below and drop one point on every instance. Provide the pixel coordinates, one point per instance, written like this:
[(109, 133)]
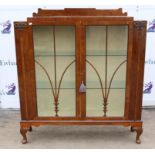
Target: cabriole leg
[(30, 128), (139, 131), (23, 131), (131, 129)]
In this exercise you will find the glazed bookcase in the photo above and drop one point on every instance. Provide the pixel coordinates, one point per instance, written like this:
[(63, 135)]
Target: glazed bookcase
[(80, 67)]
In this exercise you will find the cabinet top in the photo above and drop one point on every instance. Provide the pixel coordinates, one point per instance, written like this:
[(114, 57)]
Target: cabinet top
[(75, 15), (79, 12)]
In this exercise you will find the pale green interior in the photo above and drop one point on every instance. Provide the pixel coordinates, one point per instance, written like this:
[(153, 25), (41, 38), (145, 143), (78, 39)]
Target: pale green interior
[(65, 54), (96, 37), (117, 37)]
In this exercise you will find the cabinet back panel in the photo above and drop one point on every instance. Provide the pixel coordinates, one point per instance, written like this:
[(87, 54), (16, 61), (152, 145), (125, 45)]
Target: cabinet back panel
[(106, 54), (54, 52)]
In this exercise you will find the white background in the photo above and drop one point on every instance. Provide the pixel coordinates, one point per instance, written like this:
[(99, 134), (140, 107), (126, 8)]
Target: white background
[(8, 74)]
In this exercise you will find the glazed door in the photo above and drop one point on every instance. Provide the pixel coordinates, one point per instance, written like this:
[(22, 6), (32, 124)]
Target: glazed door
[(106, 70), (55, 70)]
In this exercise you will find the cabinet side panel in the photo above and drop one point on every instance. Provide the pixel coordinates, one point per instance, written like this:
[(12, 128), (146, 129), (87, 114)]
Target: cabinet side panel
[(139, 42), (25, 64), (19, 41), (131, 81), (30, 74)]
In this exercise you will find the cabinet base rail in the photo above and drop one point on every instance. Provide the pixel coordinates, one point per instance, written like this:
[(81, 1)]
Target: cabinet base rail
[(26, 126)]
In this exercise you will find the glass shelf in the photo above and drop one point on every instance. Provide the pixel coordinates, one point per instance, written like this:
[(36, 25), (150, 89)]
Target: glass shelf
[(51, 53), (114, 85), (110, 53), (90, 85), (64, 85), (104, 88), (89, 53)]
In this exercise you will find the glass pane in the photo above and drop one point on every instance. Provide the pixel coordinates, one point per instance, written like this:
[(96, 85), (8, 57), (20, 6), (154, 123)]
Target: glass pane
[(55, 70), (106, 54), (94, 104)]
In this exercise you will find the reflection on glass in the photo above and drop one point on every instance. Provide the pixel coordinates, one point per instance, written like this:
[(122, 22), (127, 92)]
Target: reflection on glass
[(106, 54), (54, 51)]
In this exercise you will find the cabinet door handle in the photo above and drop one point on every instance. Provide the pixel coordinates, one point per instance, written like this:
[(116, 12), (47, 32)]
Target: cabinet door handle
[(82, 88)]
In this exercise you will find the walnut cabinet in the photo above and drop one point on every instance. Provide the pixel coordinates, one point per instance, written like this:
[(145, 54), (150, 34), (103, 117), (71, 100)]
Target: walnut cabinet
[(80, 66)]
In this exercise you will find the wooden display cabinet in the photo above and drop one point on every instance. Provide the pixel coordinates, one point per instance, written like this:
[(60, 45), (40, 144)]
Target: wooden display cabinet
[(80, 67)]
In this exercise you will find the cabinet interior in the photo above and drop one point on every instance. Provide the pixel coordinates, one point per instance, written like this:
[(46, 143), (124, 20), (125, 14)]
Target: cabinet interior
[(55, 54), (54, 50)]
